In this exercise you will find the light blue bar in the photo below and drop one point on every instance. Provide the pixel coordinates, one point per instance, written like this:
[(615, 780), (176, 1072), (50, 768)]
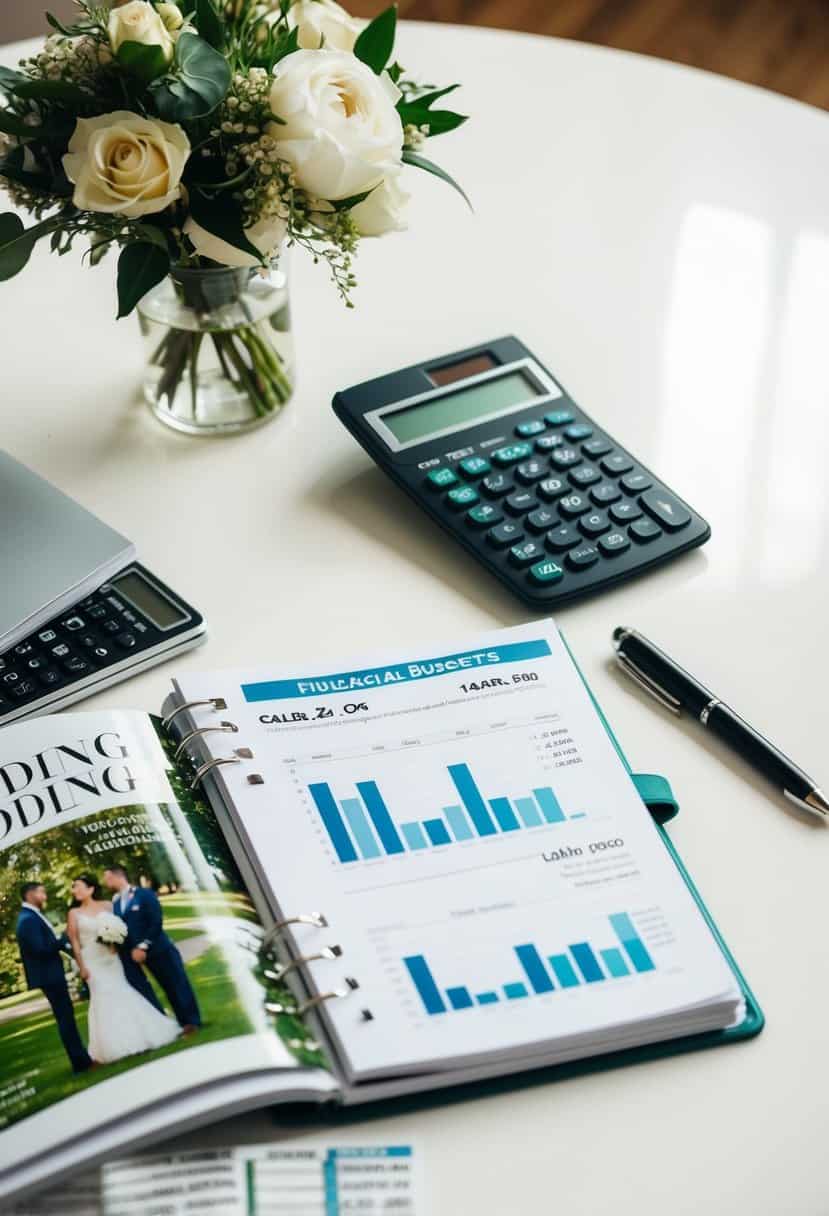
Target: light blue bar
[(548, 802), (514, 991), (504, 814), (563, 970), (486, 998), (458, 822), (357, 821), (528, 811), (614, 962), (632, 942), (320, 791), (413, 835), (579, 815), (459, 998), (436, 831)]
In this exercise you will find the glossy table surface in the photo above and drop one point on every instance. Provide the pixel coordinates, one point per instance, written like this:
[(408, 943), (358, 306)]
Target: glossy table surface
[(661, 238)]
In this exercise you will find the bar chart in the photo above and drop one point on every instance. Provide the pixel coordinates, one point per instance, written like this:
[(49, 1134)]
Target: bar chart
[(362, 828), (538, 974)]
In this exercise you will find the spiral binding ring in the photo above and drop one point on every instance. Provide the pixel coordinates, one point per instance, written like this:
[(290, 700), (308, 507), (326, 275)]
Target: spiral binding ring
[(304, 918), (213, 702), (240, 754), (326, 953), (204, 730), (306, 1006)]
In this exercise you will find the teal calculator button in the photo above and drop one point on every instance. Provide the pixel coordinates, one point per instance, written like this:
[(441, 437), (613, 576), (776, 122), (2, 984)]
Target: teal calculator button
[(484, 516), (512, 453), (474, 466), (546, 572), (441, 479), (559, 417), (463, 496), (527, 429)]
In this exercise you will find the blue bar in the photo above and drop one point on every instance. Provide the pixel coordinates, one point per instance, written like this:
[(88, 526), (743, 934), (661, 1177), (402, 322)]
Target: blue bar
[(436, 831), (503, 812), (413, 834), (356, 816), (563, 969), (632, 942), (579, 815), (586, 962), (486, 998), (380, 817), (331, 817), (458, 823), (472, 800), (459, 998), (528, 811), (424, 982), (548, 802), (513, 991), (615, 964), (536, 971)]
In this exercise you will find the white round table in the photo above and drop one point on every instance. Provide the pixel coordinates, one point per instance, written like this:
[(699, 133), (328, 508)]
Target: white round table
[(660, 237)]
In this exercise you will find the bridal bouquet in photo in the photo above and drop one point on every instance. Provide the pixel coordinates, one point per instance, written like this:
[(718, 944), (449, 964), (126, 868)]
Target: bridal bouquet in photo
[(111, 930), (200, 138)]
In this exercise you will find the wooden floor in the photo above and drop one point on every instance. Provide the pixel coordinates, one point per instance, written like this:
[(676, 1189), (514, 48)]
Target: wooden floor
[(780, 44)]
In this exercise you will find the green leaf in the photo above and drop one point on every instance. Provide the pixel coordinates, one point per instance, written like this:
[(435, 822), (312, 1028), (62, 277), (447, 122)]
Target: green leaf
[(145, 63), (290, 44), (58, 25), (420, 162), (13, 124), (223, 218), (140, 267), (9, 79), (438, 121), (51, 90), (209, 23), (17, 243), (426, 99), (188, 7), (151, 235), (202, 78), (376, 42)]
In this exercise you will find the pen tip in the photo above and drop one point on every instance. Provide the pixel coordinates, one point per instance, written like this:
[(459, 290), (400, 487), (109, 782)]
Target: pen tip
[(619, 632), (817, 801)]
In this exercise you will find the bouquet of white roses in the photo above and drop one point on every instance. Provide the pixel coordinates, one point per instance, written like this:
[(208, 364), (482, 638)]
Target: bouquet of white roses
[(111, 931), (204, 133)]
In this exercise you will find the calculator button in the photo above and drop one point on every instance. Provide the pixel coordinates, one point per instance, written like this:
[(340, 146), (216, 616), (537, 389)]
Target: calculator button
[(524, 554), (563, 538), (48, 635), (542, 519), (594, 524), (76, 666), (496, 485), (111, 626), (35, 663), (558, 417), (546, 572), (520, 502), (587, 475), (579, 430), (565, 458), (527, 429), (553, 488), (440, 479), (11, 677), (573, 505), (583, 557), (625, 512), (23, 649), (597, 447), (547, 442), (49, 677), (505, 535), (483, 516), (24, 689), (665, 510), (102, 655), (644, 530), (530, 471), (605, 493), (88, 640), (97, 611), (635, 483), (61, 650), (474, 466), (3, 665), (126, 640), (463, 496), (617, 464), (511, 454), (73, 623), (613, 543)]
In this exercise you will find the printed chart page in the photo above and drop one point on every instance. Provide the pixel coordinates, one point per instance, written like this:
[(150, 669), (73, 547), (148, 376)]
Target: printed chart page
[(491, 880)]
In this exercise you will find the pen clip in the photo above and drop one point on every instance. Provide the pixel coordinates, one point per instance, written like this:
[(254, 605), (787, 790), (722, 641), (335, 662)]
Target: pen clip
[(648, 683)]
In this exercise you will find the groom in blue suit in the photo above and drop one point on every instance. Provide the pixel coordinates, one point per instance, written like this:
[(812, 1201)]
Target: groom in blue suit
[(147, 945)]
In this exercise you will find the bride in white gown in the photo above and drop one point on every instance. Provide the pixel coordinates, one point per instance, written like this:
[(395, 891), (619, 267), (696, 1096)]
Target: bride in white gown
[(121, 1021)]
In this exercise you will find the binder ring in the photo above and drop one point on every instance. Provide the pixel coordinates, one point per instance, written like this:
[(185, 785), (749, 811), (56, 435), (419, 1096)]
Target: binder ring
[(213, 702), (242, 753), (304, 918), (306, 1006), (326, 953), (204, 730)]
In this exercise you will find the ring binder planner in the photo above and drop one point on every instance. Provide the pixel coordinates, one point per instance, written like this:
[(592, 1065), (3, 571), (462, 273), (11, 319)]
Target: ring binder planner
[(230, 727), (327, 952), (217, 703), (240, 754)]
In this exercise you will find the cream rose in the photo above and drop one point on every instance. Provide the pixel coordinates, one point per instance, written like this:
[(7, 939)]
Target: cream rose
[(323, 23), (341, 133), (383, 210), (171, 15), (266, 236), (126, 165), (139, 22)]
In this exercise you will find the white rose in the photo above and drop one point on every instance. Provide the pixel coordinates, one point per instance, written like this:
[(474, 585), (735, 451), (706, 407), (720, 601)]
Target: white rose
[(266, 236), (383, 210), (171, 15), (139, 22), (125, 164), (323, 22), (341, 132)]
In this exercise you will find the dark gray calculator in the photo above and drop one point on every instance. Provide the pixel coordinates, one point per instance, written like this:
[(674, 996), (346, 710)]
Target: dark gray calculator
[(494, 449)]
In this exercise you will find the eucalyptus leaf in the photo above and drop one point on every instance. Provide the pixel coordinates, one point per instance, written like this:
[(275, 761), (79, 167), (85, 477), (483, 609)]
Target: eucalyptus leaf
[(9, 79), (17, 243), (209, 23), (51, 90), (222, 216), (438, 121), (145, 63), (200, 81), (140, 267), (376, 42), (420, 162)]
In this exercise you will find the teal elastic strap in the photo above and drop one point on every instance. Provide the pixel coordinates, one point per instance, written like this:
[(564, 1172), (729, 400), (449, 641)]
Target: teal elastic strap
[(657, 795)]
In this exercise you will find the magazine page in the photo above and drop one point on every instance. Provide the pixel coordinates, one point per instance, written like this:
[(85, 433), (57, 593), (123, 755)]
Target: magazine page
[(130, 970)]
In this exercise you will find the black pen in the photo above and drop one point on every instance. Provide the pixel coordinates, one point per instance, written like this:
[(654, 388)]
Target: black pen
[(674, 688)]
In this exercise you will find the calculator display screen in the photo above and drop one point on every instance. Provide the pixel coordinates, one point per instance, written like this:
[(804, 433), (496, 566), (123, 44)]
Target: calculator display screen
[(163, 613), (461, 407)]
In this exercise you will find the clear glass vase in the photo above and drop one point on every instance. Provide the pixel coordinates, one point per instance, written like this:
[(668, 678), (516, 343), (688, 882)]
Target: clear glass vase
[(219, 348)]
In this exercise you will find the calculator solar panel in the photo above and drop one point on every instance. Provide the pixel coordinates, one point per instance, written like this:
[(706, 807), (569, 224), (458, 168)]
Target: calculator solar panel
[(498, 453)]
